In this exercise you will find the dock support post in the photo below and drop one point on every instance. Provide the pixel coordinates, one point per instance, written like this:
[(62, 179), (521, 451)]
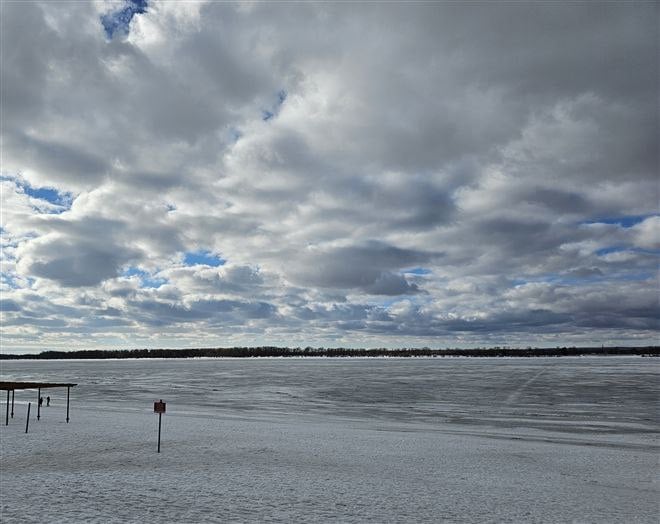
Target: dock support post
[(27, 422), (67, 404), (38, 403), (7, 416), (12, 403)]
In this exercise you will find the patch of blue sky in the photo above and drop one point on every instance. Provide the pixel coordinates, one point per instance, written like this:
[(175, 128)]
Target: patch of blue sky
[(624, 221), (619, 249), (146, 279), (132, 272), (15, 241), (44, 193), (640, 276), (634, 276), (611, 249), (7, 252), (61, 199), (536, 279), (8, 280), (417, 300), (118, 22), (235, 134), (269, 114), (384, 303), (576, 281), (202, 258), (417, 271), (572, 280)]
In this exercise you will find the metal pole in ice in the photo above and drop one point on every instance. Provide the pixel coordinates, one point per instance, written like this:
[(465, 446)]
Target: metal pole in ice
[(7, 416), (12, 403), (159, 407), (38, 402), (160, 415), (67, 404), (27, 422)]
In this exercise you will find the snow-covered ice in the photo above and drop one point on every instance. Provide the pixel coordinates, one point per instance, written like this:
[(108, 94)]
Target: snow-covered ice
[(336, 440)]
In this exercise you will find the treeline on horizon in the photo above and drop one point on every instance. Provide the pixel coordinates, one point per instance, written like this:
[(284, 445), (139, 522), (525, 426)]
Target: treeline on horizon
[(273, 351)]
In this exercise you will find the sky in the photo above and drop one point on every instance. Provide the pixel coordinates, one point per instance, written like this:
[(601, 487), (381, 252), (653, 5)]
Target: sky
[(377, 174)]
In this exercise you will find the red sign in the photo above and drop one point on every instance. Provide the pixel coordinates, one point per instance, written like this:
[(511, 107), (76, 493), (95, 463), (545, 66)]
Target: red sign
[(159, 407)]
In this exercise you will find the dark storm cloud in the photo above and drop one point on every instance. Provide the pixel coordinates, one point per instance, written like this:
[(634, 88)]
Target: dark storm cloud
[(369, 267), (79, 264), (9, 305), (60, 160), (557, 200), (222, 312), (585, 272), (401, 201)]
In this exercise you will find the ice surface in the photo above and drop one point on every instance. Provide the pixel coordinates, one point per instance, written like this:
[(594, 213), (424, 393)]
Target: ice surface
[(336, 440)]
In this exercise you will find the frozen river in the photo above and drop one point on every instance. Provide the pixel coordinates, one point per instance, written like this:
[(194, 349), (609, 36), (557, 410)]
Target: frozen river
[(336, 440)]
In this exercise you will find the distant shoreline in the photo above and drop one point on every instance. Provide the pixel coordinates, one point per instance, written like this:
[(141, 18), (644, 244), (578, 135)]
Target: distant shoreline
[(284, 352)]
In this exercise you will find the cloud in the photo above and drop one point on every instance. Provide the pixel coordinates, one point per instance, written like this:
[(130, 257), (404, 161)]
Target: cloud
[(72, 264), (647, 233), (369, 267), (183, 173)]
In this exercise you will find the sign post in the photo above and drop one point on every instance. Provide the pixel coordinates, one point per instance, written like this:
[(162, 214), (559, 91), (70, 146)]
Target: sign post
[(27, 421), (159, 407)]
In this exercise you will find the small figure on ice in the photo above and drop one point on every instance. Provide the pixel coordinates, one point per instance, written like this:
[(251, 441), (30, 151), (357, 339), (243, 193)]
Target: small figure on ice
[(47, 401), (41, 401)]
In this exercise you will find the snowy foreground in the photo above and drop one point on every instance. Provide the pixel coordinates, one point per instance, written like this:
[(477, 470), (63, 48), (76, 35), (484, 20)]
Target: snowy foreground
[(341, 440)]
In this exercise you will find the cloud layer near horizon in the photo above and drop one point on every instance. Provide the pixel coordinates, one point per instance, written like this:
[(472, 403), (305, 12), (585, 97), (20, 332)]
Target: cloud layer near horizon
[(326, 174)]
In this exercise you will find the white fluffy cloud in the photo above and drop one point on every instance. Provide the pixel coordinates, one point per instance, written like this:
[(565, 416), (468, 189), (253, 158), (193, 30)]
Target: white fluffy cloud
[(373, 174)]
